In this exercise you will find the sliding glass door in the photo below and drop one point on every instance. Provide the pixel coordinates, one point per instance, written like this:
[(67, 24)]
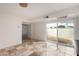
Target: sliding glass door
[(52, 31), (52, 38), (60, 36), (65, 38)]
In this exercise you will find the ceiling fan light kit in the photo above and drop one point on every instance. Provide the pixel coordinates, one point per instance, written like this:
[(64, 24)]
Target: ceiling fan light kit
[(23, 4)]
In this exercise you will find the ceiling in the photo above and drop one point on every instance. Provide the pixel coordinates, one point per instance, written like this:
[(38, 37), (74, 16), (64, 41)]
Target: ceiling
[(34, 9)]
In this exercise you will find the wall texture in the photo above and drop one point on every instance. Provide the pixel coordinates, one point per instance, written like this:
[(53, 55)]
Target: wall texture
[(76, 34), (38, 31), (10, 30)]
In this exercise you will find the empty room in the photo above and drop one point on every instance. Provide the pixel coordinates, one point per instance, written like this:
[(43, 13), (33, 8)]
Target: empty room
[(39, 29)]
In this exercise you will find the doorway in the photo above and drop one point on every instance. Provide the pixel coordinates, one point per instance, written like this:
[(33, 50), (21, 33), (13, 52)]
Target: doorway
[(26, 32)]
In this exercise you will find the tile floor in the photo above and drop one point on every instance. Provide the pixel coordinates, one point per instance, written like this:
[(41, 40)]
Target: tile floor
[(37, 48)]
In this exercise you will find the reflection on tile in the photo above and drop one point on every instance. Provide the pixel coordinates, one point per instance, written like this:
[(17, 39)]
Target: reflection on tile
[(37, 48)]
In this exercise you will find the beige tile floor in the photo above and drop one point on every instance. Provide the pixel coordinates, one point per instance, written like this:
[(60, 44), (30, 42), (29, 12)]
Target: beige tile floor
[(37, 48), (60, 51)]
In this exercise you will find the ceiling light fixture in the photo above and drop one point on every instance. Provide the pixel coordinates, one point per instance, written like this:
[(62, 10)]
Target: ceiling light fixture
[(23, 4)]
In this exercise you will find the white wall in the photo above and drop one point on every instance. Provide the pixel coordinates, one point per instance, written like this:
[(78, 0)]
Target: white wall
[(10, 30), (76, 31), (38, 31), (76, 34)]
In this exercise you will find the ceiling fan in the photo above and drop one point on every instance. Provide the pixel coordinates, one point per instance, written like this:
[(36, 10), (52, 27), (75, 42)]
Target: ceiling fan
[(23, 5)]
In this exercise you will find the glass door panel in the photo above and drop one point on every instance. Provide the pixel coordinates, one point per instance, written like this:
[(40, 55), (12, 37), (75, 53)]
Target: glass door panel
[(52, 39), (65, 38)]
